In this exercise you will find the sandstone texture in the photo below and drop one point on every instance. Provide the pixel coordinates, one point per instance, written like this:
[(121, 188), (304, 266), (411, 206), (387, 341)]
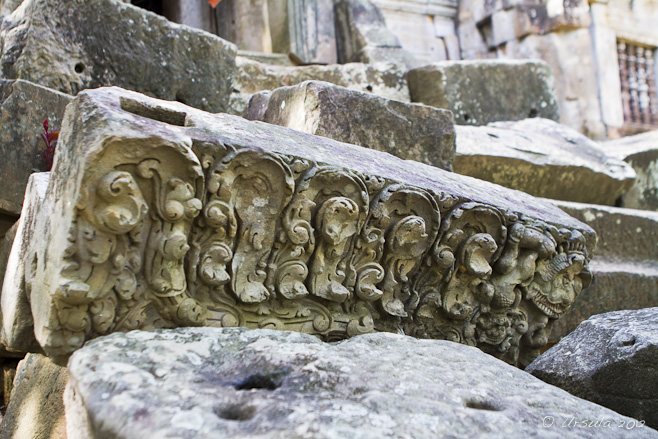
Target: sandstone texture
[(609, 359), (641, 152), (625, 264), (542, 158), (158, 214), (17, 332), (568, 53), (484, 91), (409, 131), (362, 35), (238, 383), (23, 108), (73, 45), (383, 79), (36, 409)]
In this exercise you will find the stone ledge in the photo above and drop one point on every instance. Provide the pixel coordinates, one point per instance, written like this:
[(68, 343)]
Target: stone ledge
[(160, 215)]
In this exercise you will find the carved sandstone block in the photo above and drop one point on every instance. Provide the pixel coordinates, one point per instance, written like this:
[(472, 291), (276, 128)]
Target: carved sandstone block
[(479, 92), (412, 131), (159, 215), (73, 45)]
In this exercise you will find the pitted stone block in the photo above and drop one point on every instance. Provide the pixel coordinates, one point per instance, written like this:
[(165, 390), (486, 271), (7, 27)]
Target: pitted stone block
[(160, 215)]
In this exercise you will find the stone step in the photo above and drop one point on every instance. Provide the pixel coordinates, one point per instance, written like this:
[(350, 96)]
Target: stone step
[(624, 266), (542, 158), (161, 215), (413, 131)]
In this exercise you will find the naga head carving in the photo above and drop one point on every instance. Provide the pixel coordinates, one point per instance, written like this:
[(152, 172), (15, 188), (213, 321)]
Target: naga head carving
[(559, 279)]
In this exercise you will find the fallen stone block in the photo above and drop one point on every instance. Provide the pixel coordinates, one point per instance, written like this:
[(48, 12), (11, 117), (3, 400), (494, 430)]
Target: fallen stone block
[(362, 35), (24, 107), (17, 332), (71, 46), (609, 359), (238, 383), (36, 408), (484, 91), (625, 265), (160, 215), (640, 152), (409, 131), (383, 79), (542, 158)]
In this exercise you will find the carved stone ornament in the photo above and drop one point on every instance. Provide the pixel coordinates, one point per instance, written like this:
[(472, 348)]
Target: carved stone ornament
[(159, 215)]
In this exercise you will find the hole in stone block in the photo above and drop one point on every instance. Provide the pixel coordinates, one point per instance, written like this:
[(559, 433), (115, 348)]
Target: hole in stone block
[(467, 117), (532, 113), (79, 67), (628, 341), (165, 115), (235, 412), (482, 405), (260, 381), (369, 88)]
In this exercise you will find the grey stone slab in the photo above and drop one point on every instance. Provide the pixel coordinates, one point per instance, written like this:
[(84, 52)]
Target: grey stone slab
[(384, 79), (484, 91), (640, 152), (73, 45), (610, 359), (23, 109), (542, 158), (208, 383), (36, 408), (409, 131)]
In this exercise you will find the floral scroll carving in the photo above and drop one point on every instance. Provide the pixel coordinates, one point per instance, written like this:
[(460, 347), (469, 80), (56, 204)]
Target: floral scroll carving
[(167, 235)]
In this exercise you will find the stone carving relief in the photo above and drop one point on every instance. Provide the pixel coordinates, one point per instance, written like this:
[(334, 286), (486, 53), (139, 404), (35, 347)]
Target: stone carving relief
[(216, 235)]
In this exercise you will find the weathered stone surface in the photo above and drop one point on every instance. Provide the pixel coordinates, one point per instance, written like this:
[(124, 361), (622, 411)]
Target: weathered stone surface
[(542, 158), (383, 79), (426, 30), (362, 35), (609, 359), (162, 215), (641, 152), (72, 45), (17, 333), (311, 31), (625, 265), (208, 383), (409, 131), (569, 56), (479, 92), (24, 107), (36, 409)]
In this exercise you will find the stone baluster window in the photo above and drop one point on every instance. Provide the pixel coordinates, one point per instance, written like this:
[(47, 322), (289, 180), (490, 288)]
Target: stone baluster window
[(637, 67)]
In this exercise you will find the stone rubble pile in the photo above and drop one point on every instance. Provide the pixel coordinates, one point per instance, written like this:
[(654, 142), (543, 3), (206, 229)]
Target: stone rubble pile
[(159, 215)]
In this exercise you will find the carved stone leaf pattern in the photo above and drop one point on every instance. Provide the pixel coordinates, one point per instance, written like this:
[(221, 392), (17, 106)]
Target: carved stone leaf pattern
[(244, 237)]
